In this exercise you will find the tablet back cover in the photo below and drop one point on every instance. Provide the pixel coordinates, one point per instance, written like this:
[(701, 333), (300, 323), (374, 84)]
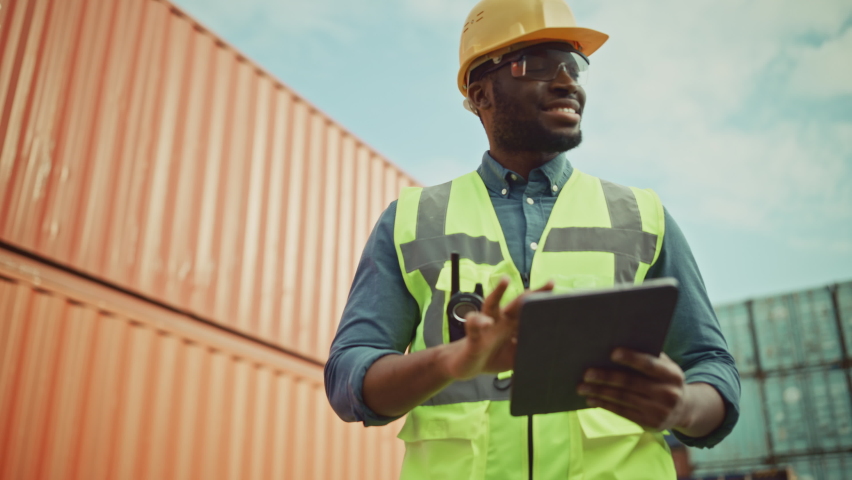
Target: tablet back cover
[(561, 336)]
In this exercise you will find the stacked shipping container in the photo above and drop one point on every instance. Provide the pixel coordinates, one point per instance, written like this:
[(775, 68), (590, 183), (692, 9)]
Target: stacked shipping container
[(98, 384), (141, 149), (141, 154), (793, 352)]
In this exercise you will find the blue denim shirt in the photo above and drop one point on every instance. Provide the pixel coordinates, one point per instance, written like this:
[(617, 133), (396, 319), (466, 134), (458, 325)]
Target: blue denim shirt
[(381, 316)]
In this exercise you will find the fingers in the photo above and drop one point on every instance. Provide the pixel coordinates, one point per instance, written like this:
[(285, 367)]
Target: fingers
[(646, 400), (491, 304), (662, 367), (617, 378), (632, 390), (475, 325), (514, 307), (492, 301)]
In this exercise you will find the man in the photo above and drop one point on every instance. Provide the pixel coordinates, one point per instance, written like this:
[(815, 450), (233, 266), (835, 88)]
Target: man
[(522, 63)]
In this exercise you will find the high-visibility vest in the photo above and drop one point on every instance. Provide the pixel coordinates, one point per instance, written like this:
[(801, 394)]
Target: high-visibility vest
[(598, 234)]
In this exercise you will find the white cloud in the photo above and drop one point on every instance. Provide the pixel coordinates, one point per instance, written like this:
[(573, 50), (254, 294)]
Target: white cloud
[(675, 77), (663, 95), (728, 108), (826, 70)]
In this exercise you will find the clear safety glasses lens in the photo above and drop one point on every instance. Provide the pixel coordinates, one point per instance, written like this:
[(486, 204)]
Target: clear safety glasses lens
[(545, 66)]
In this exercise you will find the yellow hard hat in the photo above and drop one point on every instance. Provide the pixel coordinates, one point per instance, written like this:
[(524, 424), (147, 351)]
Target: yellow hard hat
[(496, 27)]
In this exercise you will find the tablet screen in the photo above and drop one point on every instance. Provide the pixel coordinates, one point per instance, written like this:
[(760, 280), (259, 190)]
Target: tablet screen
[(560, 336)]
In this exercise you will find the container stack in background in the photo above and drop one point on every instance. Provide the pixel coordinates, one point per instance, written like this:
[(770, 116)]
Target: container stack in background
[(793, 354), (178, 233)]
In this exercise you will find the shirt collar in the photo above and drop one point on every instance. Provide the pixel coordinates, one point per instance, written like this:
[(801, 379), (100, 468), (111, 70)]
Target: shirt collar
[(554, 173)]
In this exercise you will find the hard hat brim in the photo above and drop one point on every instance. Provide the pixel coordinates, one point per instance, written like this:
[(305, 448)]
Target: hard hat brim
[(589, 40)]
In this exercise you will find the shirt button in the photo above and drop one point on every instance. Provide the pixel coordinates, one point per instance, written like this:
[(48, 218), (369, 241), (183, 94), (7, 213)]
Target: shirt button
[(534, 245), (504, 191), (530, 201), (514, 177), (555, 188)]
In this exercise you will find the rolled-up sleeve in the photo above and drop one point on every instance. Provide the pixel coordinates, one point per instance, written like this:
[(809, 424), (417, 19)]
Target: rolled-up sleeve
[(379, 319), (695, 340)]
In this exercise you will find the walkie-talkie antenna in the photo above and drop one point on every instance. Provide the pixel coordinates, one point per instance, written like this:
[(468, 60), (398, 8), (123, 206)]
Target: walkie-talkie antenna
[(454, 278)]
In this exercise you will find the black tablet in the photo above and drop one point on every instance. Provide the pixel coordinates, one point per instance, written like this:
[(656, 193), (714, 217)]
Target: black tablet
[(560, 336)]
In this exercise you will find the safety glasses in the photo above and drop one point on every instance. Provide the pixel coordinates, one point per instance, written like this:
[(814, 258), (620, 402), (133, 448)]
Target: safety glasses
[(544, 65)]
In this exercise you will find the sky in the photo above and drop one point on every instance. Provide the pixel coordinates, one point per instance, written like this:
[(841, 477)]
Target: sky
[(737, 113)]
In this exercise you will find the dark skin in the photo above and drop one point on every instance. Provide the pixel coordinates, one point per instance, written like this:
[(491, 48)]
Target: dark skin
[(527, 101), (654, 395)]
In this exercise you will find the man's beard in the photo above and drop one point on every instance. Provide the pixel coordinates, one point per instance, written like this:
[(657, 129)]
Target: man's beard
[(515, 135)]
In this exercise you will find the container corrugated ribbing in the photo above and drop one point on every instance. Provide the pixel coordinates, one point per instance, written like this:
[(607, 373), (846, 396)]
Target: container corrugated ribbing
[(831, 422), (814, 312), (831, 467), (178, 233), (95, 383), (734, 321), (775, 328), (796, 404), (809, 411), (748, 440), (844, 304), (790, 409), (138, 147), (809, 318)]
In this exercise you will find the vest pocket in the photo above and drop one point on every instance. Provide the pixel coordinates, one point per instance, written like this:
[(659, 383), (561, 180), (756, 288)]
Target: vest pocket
[(616, 448), (598, 423), (447, 458), (445, 442)]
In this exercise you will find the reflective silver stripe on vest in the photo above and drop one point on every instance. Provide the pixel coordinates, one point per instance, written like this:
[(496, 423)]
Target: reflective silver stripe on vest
[(432, 211), (622, 206), (624, 213), (637, 244), (429, 252), (625, 239), (425, 251)]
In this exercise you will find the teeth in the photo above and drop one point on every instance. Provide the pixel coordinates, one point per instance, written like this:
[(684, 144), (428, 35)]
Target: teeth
[(565, 110)]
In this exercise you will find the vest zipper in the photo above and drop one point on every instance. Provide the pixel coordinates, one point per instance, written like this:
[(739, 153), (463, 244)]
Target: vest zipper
[(526, 279), (530, 444)]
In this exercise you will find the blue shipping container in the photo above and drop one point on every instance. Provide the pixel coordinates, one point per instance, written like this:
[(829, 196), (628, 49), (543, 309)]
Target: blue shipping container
[(803, 400), (844, 305), (831, 407), (733, 319), (789, 413), (776, 334), (813, 312), (755, 472), (809, 412), (748, 440), (829, 467)]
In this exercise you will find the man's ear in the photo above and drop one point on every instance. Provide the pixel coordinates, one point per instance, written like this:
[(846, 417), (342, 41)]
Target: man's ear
[(479, 96)]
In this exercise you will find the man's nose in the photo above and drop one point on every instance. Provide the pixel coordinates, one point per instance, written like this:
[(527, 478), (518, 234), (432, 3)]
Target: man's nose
[(564, 79)]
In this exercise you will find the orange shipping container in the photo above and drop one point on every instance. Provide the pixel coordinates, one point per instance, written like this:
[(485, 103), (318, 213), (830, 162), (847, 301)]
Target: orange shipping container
[(137, 147), (98, 384)]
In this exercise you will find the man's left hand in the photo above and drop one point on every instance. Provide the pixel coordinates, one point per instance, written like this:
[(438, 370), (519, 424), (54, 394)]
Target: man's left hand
[(654, 395)]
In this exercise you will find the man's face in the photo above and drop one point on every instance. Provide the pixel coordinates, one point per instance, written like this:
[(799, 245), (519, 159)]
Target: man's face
[(534, 116)]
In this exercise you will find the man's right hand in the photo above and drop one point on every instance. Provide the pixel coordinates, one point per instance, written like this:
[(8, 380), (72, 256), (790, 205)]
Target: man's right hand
[(490, 336), (395, 384)]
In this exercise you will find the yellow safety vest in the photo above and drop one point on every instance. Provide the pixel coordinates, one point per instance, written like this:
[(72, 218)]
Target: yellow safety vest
[(598, 234)]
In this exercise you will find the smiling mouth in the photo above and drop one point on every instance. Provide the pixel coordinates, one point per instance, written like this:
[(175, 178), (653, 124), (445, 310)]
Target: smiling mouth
[(561, 110), (564, 114)]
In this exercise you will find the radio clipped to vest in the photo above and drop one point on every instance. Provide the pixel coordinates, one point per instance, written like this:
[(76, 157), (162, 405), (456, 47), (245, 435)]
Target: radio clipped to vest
[(461, 303)]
